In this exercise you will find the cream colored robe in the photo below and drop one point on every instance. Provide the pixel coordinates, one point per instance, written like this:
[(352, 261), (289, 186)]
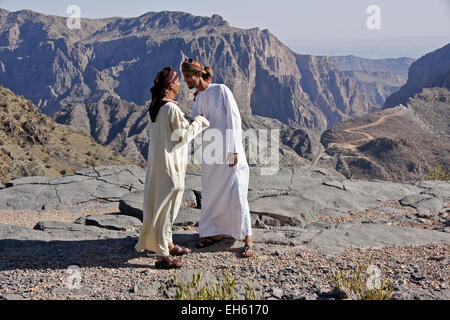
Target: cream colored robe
[(166, 169)]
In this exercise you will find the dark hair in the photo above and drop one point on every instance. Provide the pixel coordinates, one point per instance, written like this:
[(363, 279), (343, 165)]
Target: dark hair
[(195, 67), (207, 74), (159, 91)]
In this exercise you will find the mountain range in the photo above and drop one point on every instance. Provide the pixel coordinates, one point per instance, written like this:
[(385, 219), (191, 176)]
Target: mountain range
[(97, 79), (112, 62), (120, 56)]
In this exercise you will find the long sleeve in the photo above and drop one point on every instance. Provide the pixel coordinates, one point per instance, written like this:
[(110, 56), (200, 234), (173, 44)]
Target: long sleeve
[(233, 121), (182, 131)]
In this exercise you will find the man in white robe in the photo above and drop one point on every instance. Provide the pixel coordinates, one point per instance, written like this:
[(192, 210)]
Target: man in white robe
[(225, 172)]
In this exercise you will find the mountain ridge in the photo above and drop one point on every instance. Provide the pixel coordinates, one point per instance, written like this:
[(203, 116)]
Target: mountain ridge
[(109, 56)]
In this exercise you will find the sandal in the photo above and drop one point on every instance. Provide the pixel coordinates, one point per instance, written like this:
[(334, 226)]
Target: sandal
[(206, 242), (249, 251), (168, 262), (179, 251)]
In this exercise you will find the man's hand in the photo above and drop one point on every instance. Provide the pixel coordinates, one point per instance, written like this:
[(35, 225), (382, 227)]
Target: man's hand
[(235, 161)]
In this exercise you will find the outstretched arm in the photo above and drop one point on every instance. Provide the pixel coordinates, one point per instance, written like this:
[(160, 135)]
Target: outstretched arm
[(182, 131)]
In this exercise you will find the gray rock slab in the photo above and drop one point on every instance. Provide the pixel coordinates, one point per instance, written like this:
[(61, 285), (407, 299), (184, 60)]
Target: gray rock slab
[(29, 197), (287, 178), (413, 199), (125, 180), (112, 222), (435, 204), (11, 232), (439, 189), (294, 196), (77, 193), (422, 202), (382, 191), (187, 217), (110, 192), (11, 296), (97, 185), (420, 294), (332, 241), (46, 181), (391, 210), (290, 209), (326, 200), (27, 180), (104, 171), (69, 180), (283, 237), (256, 194), (132, 203), (66, 231), (193, 181)]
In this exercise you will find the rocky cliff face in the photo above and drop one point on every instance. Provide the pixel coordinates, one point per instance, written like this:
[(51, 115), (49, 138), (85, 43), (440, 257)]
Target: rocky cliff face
[(119, 57), (397, 66), (432, 70), (376, 79), (118, 124)]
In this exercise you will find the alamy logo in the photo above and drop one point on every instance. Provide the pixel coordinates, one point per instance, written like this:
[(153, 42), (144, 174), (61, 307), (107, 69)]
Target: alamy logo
[(374, 279), (73, 281), (374, 20), (74, 20), (215, 146)]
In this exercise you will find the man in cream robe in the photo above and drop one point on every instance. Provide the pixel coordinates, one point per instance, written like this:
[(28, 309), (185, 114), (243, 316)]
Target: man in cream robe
[(166, 169)]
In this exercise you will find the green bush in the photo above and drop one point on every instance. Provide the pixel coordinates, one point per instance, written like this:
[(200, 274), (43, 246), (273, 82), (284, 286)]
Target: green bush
[(220, 291), (358, 284), (438, 173)]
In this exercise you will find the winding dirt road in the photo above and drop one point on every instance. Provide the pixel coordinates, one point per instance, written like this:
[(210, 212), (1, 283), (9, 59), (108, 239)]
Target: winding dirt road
[(353, 145)]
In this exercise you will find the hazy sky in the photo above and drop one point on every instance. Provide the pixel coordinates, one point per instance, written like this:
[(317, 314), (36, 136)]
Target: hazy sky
[(330, 27)]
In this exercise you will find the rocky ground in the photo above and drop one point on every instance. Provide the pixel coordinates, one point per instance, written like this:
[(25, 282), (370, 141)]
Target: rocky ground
[(308, 223)]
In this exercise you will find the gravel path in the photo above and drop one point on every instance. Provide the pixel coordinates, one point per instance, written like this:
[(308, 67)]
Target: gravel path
[(395, 214), (295, 274), (30, 218)]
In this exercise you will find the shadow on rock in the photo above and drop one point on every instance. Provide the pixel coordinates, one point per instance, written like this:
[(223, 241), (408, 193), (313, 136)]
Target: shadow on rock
[(105, 253)]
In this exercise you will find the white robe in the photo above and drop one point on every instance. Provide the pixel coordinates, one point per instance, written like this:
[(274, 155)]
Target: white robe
[(166, 169), (225, 209)]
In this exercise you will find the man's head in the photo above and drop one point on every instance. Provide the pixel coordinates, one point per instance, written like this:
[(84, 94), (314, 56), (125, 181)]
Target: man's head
[(194, 74), (166, 86)]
